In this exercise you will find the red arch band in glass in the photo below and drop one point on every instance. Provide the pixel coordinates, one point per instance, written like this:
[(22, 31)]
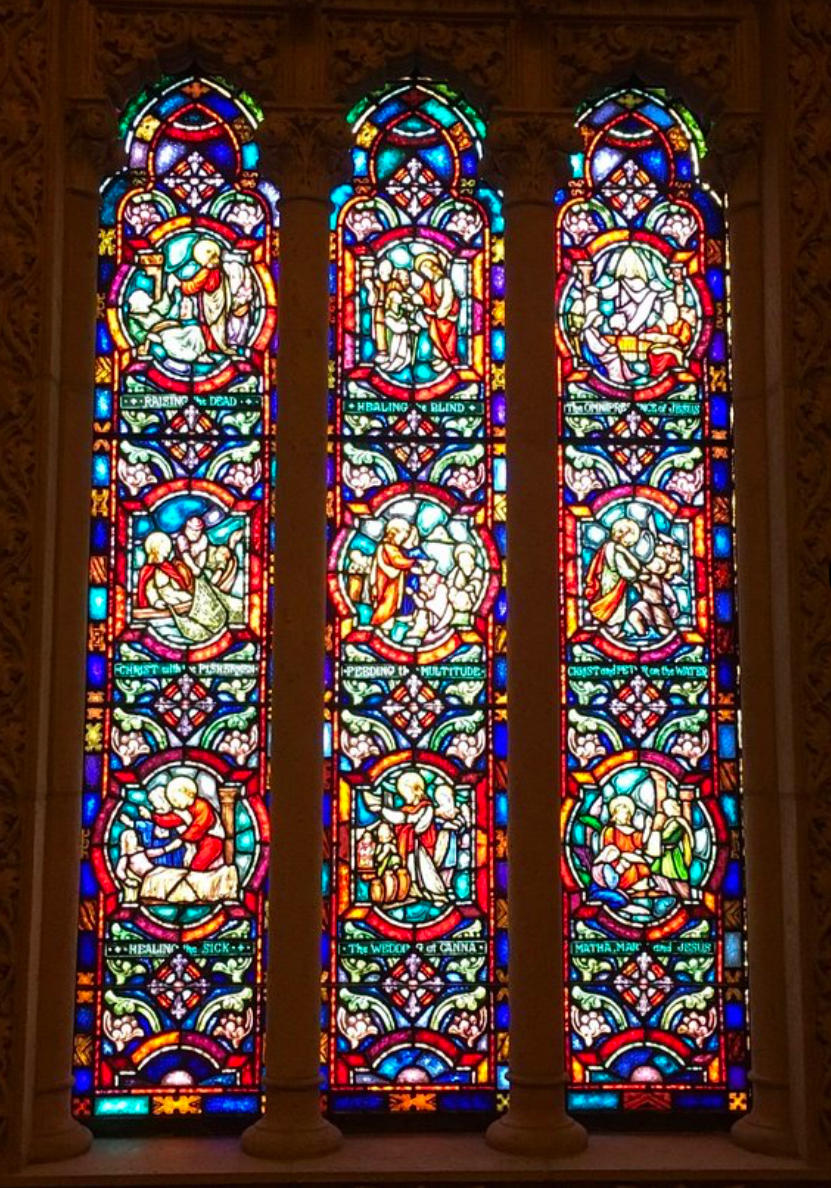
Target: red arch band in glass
[(169, 1015), (652, 856), (414, 970)]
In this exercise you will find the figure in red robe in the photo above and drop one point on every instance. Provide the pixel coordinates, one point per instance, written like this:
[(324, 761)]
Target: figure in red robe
[(164, 584), (416, 834), (669, 349), (441, 308), (195, 821), (210, 286)]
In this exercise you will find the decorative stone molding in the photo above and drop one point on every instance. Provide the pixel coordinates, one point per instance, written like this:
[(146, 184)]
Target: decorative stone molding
[(702, 54), (525, 155), (356, 50), (305, 153), (22, 184), (734, 143), (810, 210), (92, 143), (243, 47)]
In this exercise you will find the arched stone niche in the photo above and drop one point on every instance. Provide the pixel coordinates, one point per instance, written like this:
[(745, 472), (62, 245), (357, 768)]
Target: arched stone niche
[(529, 64)]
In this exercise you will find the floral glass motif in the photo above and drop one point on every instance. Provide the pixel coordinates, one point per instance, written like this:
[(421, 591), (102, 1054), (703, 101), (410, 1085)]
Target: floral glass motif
[(414, 970), (652, 853), (169, 1017)]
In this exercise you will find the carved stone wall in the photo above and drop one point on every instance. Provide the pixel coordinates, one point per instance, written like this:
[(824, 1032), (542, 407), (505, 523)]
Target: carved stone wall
[(22, 120), (810, 290), (304, 55)]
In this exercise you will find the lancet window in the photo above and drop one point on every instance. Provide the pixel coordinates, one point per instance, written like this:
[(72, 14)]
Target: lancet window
[(170, 975), (653, 908), (415, 869)]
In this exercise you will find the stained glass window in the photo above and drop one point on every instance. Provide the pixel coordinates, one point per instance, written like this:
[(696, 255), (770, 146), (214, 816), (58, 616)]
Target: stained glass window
[(414, 967), (652, 864), (169, 1015)]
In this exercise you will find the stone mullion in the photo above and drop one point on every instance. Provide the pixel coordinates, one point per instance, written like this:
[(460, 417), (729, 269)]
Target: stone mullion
[(768, 1128), (536, 1122), (292, 1125)]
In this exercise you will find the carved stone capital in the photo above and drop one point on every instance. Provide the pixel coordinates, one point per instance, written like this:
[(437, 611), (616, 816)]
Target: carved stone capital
[(524, 155), (92, 143), (734, 144), (305, 153)]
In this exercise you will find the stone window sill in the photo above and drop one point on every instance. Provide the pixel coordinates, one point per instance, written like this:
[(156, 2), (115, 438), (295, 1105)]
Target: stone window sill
[(435, 1159)]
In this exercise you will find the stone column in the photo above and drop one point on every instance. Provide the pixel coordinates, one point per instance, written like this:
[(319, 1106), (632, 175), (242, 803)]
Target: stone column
[(768, 1128), (52, 1131), (292, 1125), (536, 1122)]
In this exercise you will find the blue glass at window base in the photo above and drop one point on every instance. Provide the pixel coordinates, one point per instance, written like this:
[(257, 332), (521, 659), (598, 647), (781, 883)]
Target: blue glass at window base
[(592, 1100), (232, 1105)]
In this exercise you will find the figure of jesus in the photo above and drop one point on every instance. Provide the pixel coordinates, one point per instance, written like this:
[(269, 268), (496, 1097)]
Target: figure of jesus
[(611, 571), (195, 821), (164, 585), (211, 288), (441, 308), (415, 835)]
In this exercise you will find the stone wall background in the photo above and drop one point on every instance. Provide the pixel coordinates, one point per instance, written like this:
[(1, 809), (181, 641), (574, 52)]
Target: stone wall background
[(23, 74), (809, 285), (706, 43)]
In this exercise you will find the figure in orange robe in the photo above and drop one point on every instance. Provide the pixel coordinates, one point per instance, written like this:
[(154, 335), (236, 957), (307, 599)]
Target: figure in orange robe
[(389, 566), (209, 286), (610, 571)]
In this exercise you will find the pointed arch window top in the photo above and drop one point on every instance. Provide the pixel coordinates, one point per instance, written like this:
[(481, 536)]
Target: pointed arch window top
[(192, 137), (638, 122), (416, 135)]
